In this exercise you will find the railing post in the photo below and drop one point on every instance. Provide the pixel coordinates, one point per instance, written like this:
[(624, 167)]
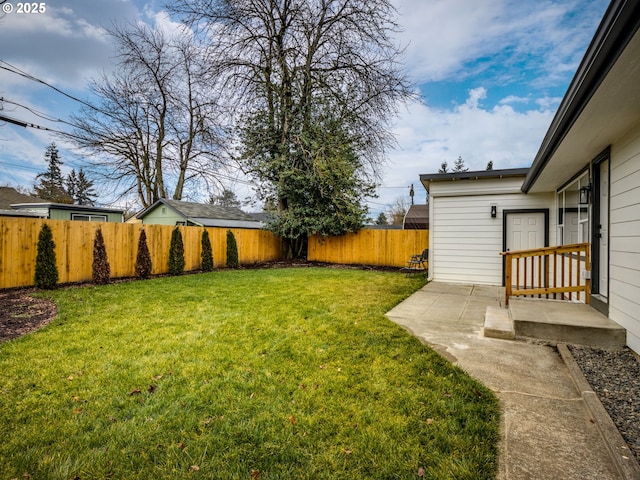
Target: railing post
[(587, 266), (507, 280)]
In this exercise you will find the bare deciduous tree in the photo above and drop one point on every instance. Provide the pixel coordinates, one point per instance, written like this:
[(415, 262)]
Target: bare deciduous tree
[(398, 211), (154, 129)]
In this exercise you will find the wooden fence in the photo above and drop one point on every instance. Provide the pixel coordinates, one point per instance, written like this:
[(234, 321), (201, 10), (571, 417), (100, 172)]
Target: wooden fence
[(74, 248), (391, 248)]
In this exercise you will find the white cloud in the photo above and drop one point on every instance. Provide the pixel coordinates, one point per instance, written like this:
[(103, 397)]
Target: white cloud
[(475, 95), (163, 22), (444, 36), (428, 136), (511, 99)]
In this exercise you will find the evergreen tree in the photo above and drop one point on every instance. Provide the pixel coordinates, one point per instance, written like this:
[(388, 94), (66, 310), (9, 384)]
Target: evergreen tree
[(72, 185), (176, 253), (382, 219), (490, 165), (50, 184), (232, 250), (226, 199), (207, 253), (143, 258), (80, 188), (322, 191), (84, 193), (459, 166), (100, 269), (46, 275)]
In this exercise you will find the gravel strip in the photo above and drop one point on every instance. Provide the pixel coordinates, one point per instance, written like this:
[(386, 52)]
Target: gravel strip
[(614, 375)]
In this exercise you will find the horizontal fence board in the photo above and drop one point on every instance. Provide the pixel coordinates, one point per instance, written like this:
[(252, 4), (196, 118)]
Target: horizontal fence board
[(74, 248), (391, 248)]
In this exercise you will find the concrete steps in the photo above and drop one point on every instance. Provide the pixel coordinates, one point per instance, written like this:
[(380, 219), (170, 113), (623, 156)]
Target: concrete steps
[(498, 324), (554, 321)]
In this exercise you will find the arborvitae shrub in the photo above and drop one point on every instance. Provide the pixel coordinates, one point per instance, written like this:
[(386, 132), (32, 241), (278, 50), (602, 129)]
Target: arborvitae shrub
[(100, 269), (143, 258), (176, 253), (46, 275), (232, 250), (207, 253)]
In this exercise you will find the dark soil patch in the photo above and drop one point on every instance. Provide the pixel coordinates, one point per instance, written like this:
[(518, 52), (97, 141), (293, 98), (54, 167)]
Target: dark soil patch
[(306, 264), (21, 313)]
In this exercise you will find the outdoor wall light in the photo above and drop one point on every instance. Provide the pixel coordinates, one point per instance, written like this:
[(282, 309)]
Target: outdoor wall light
[(584, 195), (494, 210)]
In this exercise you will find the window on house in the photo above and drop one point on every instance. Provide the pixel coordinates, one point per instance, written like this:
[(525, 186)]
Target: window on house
[(88, 217), (573, 217)]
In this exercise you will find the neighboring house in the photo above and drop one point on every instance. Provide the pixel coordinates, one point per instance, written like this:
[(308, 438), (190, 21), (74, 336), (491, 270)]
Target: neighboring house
[(175, 212), (63, 211), (9, 196), (16, 204), (584, 184), (416, 218)]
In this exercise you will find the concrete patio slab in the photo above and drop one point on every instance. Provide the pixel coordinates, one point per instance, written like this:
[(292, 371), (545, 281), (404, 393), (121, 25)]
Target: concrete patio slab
[(547, 432)]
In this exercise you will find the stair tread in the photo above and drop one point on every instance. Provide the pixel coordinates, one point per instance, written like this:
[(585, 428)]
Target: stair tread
[(497, 323)]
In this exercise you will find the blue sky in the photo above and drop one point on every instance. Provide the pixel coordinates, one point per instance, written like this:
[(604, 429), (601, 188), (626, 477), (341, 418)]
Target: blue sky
[(491, 74)]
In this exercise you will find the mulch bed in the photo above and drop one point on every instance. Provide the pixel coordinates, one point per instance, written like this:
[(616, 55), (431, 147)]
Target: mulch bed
[(21, 313)]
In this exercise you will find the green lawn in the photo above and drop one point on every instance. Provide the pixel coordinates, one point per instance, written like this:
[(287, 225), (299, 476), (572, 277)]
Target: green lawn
[(251, 374)]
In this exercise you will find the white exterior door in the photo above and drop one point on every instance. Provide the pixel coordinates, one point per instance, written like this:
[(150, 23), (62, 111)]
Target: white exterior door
[(524, 231)]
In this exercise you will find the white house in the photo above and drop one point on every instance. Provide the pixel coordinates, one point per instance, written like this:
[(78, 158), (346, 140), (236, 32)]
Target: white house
[(476, 215), (583, 185)]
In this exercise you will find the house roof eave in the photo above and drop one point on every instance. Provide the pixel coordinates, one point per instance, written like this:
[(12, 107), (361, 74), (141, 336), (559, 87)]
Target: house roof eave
[(428, 178), (617, 28)]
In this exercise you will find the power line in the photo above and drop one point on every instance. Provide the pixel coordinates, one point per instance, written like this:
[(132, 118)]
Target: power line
[(36, 112), (22, 167), (15, 70)]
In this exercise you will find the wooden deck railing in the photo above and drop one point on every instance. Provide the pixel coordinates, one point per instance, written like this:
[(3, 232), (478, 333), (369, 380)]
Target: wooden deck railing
[(561, 272)]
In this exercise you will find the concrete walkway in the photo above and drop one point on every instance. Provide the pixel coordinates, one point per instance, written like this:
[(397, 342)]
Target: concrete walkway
[(547, 430)]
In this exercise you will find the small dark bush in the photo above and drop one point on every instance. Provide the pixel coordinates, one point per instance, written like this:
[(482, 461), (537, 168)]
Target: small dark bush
[(176, 253), (143, 258), (100, 269), (232, 250), (207, 253), (46, 275)]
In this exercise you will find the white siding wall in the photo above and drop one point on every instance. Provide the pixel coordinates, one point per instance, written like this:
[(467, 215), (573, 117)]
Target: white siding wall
[(465, 241), (624, 254)]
